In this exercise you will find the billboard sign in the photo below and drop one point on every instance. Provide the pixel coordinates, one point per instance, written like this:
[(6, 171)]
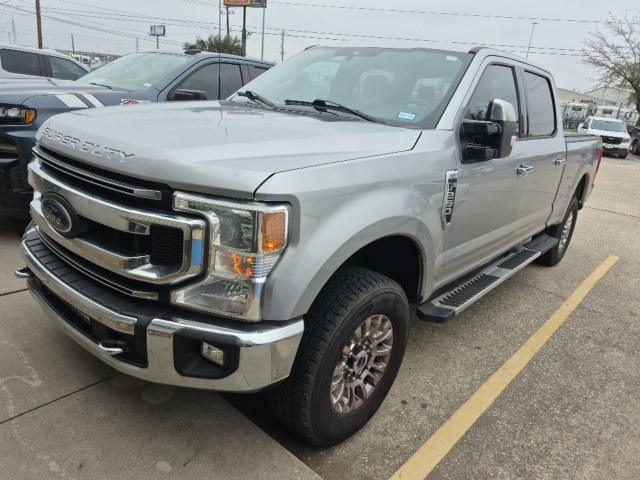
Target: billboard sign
[(246, 3), (157, 31)]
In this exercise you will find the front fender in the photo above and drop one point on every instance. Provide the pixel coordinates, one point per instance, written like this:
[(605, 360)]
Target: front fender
[(332, 231)]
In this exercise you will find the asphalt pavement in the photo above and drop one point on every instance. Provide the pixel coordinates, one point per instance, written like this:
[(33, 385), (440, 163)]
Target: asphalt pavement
[(571, 413)]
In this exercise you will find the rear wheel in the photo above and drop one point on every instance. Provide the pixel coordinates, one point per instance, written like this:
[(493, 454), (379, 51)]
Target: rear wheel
[(635, 147), (563, 232), (353, 344)]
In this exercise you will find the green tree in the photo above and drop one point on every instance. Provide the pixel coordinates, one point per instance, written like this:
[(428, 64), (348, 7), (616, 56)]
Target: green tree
[(614, 51), (217, 44)]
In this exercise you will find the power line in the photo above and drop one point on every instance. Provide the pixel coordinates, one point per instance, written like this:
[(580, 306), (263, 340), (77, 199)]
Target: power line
[(421, 12)]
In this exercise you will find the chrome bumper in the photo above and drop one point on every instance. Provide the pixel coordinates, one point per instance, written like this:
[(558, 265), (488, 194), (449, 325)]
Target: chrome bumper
[(266, 351)]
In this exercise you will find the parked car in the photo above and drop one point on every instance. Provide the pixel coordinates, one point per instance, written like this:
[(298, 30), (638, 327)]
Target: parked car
[(615, 138), (26, 62), (635, 141), (274, 240), (26, 104)]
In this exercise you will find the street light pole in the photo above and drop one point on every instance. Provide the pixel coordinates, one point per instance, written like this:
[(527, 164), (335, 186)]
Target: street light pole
[(531, 38)]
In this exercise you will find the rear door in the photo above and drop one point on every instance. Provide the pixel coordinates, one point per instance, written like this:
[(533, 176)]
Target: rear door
[(547, 152)]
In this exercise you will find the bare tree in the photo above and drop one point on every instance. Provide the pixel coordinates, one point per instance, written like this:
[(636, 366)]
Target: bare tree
[(615, 52)]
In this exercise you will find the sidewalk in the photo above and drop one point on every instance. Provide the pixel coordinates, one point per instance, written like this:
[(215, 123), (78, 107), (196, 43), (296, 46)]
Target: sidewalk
[(63, 414)]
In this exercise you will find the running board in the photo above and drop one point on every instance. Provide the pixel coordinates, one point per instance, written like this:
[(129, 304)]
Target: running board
[(451, 303)]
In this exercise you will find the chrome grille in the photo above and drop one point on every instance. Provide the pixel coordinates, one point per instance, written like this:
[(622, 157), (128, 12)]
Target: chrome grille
[(157, 247)]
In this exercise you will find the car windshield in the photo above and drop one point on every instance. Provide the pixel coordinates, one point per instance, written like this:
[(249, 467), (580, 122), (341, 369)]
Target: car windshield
[(609, 126), (135, 72), (404, 87)]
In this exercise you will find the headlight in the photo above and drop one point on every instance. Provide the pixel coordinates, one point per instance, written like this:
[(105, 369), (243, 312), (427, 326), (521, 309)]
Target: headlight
[(245, 242), (16, 116)]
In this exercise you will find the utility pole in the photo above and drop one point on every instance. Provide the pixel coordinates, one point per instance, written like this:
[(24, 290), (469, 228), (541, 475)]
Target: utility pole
[(531, 38), (228, 29), (13, 27), (39, 22), (264, 10), (157, 42), (73, 45), (282, 47), (244, 31)]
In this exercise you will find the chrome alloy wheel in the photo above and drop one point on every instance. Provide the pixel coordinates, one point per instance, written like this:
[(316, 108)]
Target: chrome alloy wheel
[(566, 231), (362, 363)]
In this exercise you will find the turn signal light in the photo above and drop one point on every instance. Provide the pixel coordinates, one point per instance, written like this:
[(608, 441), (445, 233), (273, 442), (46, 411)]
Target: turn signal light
[(274, 228)]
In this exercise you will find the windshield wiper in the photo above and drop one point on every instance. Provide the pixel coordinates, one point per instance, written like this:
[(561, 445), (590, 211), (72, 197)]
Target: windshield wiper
[(320, 104), (101, 85), (251, 95)]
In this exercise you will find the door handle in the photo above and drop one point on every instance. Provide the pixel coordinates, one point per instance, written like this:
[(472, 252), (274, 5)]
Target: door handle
[(523, 170), (558, 162)]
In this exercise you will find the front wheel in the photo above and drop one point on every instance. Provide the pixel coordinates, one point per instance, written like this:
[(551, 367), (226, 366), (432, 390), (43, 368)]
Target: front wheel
[(563, 232), (623, 155), (351, 350), (635, 147)]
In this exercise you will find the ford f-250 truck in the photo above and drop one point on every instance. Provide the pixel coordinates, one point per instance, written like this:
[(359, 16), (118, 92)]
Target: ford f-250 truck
[(277, 239), (26, 104)]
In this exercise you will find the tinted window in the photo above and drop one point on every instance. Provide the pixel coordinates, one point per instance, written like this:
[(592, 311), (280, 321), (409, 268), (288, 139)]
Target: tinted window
[(230, 79), (498, 82), (65, 69), (256, 71), (205, 79), (20, 62), (542, 119)]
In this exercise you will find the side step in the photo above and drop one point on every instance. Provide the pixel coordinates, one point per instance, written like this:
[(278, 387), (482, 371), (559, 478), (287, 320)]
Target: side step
[(451, 303)]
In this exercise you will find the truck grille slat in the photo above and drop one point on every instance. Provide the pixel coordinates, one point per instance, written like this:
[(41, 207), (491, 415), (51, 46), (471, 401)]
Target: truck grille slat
[(115, 242)]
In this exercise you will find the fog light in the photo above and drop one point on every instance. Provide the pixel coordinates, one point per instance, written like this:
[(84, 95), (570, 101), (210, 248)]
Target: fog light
[(212, 353)]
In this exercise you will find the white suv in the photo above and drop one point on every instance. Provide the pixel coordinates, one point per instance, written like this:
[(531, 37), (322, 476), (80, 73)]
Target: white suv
[(615, 138), (25, 62)]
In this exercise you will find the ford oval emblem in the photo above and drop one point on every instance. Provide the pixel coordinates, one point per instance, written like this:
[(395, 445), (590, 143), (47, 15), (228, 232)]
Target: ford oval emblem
[(60, 215)]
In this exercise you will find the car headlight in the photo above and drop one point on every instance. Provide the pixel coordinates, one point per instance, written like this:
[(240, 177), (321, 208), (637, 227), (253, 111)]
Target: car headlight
[(245, 242), (16, 115)]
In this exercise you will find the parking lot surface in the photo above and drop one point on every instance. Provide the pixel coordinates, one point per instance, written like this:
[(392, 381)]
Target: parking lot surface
[(572, 412)]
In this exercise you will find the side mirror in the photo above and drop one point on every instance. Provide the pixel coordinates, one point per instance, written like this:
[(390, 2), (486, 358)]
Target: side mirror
[(504, 115), (495, 138), (184, 94)]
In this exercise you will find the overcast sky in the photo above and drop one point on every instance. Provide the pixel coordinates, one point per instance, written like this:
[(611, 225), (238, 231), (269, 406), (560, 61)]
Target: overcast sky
[(112, 26)]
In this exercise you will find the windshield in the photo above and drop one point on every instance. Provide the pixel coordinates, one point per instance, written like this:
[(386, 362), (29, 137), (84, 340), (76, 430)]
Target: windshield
[(608, 126), (405, 87), (135, 72)]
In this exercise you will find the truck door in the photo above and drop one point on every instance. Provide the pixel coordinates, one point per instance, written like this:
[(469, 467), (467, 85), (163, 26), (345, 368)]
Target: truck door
[(544, 167), (488, 192)]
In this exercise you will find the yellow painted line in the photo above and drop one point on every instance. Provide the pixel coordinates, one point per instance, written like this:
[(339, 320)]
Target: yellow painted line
[(442, 442)]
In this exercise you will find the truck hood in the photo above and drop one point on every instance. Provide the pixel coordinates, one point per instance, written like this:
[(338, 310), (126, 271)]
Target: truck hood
[(218, 148), (32, 92), (607, 133)]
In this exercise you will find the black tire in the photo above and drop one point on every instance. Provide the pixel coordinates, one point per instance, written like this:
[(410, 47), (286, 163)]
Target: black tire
[(553, 256), (304, 401), (635, 147), (623, 155)]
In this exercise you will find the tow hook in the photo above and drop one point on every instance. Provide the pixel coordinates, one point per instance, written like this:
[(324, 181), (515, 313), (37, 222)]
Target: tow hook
[(24, 272), (113, 347)]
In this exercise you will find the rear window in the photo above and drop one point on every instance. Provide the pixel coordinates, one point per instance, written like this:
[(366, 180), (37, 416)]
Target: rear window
[(542, 118), (15, 61)]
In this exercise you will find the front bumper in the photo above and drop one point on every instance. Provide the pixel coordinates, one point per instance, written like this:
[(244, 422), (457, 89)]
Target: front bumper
[(164, 342)]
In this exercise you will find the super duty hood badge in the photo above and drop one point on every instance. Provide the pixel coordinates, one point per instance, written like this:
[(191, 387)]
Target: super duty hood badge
[(84, 146)]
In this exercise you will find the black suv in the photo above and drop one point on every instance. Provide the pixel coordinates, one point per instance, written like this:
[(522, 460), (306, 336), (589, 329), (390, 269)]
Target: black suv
[(25, 104), (635, 140)]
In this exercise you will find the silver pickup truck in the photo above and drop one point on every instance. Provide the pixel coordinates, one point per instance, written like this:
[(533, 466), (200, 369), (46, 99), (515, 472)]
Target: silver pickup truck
[(278, 239)]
